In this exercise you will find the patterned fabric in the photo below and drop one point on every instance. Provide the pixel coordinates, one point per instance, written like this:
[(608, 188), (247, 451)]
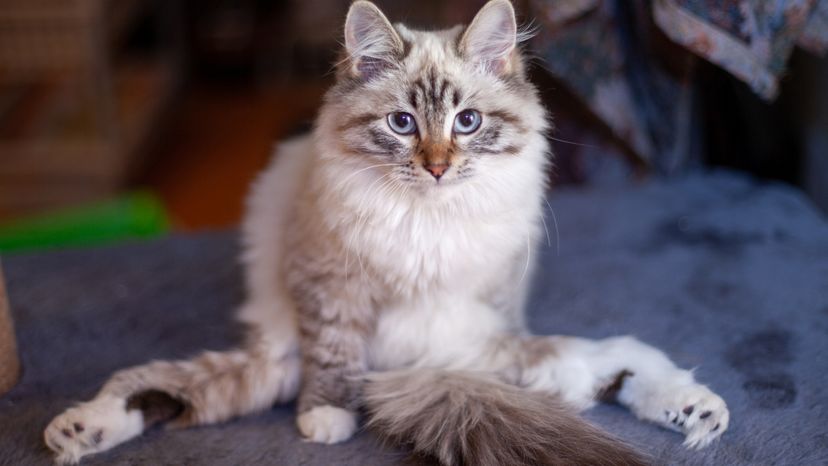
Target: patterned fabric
[(815, 35), (608, 54)]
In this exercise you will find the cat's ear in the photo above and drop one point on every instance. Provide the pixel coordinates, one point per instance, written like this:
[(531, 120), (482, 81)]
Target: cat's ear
[(491, 38), (371, 42)]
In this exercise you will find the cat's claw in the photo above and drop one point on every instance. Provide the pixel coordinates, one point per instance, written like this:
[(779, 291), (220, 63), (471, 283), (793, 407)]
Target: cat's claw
[(698, 413)]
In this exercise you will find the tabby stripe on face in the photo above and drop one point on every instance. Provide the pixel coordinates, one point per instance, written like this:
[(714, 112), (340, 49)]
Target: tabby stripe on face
[(487, 142), (512, 149), (431, 97), (484, 141), (359, 120), (510, 118), (412, 98), (385, 142), (432, 82), (420, 88), (443, 89)]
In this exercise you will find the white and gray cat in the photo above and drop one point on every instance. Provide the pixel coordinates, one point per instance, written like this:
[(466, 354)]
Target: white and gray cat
[(388, 257)]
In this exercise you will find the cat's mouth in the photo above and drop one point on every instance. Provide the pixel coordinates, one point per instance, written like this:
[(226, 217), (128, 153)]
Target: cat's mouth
[(447, 182), (424, 185)]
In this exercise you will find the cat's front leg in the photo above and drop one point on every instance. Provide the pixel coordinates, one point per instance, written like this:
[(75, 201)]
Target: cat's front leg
[(334, 323), (327, 403), (328, 399)]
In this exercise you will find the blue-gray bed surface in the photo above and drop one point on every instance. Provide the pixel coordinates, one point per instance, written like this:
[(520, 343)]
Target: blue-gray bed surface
[(726, 274)]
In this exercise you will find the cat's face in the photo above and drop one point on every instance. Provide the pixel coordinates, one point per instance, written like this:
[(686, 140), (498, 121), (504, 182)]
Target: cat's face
[(431, 109)]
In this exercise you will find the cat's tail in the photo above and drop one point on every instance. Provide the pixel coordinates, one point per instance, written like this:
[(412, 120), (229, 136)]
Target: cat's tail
[(463, 418)]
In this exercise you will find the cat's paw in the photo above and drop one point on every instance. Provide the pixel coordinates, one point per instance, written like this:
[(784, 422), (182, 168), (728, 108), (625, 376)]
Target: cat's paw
[(327, 424), (698, 413), (91, 427)]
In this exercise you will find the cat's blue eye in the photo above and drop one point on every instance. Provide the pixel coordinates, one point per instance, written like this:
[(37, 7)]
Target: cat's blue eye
[(402, 123), (467, 121)]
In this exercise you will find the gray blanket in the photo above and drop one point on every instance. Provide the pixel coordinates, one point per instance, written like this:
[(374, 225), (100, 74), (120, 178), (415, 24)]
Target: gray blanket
[(726, 274)]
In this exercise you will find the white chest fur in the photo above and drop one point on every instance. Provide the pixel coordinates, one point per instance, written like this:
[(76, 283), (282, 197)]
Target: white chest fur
[(420, 252), (439, 265), (447, 239), (442, 331)]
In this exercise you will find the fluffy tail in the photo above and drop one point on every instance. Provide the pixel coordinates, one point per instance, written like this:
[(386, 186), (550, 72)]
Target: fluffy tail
[(469, 419)]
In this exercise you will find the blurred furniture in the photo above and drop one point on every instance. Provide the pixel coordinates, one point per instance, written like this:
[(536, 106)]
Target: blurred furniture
[(222, 137), (9, 363), (724, 273), (78, 99), (678, 83)]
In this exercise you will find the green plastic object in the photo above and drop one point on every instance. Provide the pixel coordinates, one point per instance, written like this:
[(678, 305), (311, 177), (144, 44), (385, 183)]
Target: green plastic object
[(135, 215)]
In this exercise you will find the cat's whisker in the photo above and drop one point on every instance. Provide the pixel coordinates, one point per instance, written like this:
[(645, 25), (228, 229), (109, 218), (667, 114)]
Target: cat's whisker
[(591, 146), (348, 178), (557, 232), (528, 258), (546, 230)]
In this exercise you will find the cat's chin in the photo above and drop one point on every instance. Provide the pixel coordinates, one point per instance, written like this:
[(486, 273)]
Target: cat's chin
[(439, 187)]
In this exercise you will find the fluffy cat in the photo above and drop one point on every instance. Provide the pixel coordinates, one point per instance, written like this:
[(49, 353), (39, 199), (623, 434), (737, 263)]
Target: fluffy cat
[(388, 257)]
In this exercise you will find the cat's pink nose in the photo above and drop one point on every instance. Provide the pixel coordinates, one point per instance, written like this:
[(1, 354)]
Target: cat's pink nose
[(436, 169)]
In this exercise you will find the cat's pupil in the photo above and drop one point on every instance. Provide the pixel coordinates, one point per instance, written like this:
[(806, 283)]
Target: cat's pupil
[(466, 119), (402, 120)]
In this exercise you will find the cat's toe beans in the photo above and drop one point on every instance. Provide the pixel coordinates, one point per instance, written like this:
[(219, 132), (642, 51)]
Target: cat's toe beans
[(327, 424), (706, 421), (59, 439), (90, 428), (695, 411)]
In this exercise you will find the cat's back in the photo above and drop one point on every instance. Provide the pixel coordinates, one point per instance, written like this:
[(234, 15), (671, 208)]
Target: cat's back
[(270, 206)]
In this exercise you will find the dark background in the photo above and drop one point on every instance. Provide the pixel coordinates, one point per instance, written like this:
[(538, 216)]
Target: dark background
[(184, 99)]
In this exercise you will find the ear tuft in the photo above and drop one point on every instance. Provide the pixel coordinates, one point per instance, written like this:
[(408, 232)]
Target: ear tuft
[(370, 40), (491, 38)]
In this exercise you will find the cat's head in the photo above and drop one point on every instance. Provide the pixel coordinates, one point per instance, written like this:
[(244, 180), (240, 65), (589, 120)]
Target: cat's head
[(431, 109)]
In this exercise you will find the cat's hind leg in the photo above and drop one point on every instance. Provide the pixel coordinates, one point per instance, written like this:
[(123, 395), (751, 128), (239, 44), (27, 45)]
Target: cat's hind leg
[(210, 388), (582, 371), (654, 389)]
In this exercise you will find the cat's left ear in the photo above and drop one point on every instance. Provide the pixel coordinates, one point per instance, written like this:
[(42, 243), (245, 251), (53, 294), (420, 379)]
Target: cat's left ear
[(372, 43), (491, 38)]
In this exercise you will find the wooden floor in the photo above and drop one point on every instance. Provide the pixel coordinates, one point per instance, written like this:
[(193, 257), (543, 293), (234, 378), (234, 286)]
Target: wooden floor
[(218, 139)]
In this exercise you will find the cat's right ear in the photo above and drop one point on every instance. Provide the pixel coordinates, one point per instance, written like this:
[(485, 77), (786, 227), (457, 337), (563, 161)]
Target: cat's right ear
[(371, 42)]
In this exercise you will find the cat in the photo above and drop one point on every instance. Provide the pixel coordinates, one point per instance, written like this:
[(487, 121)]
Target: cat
[(388, 257)]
